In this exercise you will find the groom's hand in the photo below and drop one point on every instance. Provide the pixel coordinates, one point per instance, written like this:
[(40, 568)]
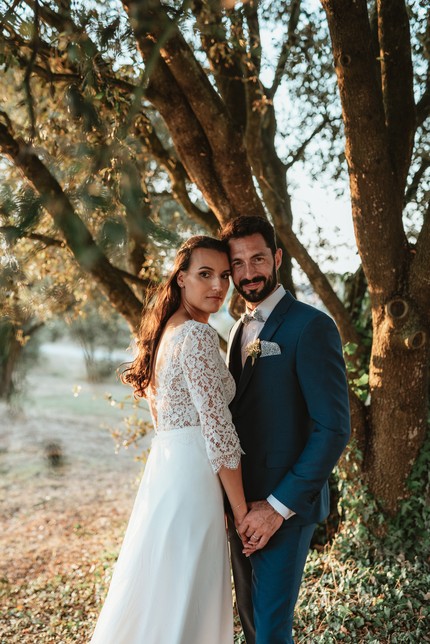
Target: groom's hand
[(261, 522)]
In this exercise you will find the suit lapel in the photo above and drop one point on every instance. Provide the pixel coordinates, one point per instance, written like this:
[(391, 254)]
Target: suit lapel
[(274, 320), (234, 352), (233, 339)]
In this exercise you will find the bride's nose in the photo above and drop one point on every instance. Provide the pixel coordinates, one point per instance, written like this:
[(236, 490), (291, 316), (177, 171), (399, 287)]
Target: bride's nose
[(217, 285)]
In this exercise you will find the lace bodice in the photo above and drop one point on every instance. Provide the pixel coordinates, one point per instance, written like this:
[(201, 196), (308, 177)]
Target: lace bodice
[(194, 387)]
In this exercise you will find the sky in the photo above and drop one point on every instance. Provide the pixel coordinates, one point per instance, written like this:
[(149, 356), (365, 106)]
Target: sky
[(333, 216)]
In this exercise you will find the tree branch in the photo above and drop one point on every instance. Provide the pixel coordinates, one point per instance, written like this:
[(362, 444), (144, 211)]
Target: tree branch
[(17, 233), (34, 44), (177, 174), (320, 283), (8, 13), (411, 190), (186, 132), (295, 7), (232, 170), (224, 59), (267, 167), (86, 252), (298, 154), (377, 200), (134, 278), (251, 13), (63, 24), (70, 77), (46, 52), (359, 421), (174, 168), (397, 82), (423, 105), (271, 176), (419, 273), (189, 139), (14, 232)]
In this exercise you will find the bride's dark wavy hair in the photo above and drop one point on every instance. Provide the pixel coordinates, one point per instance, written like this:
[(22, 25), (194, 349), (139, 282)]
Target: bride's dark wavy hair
[(161, 304)]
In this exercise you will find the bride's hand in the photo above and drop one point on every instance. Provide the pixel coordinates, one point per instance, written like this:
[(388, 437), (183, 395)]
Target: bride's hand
[(240, 514), (249, 548)]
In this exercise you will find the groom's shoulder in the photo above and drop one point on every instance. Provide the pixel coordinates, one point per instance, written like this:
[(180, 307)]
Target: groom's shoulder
[(301, 307), (307, 312)]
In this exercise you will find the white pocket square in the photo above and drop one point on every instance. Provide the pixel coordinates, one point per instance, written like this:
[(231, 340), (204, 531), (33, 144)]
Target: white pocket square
[(269, 349)]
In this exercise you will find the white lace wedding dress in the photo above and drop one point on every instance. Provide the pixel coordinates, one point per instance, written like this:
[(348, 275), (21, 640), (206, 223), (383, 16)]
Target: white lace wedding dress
[(171, 583)]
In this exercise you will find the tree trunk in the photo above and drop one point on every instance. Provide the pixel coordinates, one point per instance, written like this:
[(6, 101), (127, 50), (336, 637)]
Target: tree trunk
[(208, 144), (10, 350), (377, 158), (398, 380)]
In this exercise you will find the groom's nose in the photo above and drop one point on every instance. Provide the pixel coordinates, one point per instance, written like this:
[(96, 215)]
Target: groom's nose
[(249, 271)]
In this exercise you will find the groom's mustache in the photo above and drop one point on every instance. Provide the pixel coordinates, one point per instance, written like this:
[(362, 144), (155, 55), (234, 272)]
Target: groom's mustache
[(254, 280)]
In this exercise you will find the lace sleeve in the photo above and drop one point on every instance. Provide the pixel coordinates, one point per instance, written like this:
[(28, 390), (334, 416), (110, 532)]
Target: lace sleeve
[(201, 367)]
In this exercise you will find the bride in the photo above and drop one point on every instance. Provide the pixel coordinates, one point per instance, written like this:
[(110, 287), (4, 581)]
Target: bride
[(171, 583)]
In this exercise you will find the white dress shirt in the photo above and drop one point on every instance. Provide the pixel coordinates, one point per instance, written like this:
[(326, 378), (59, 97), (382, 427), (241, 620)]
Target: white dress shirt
[(250, 333), (252, 329)]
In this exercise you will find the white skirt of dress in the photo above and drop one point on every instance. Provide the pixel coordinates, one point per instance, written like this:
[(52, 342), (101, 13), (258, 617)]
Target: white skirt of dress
[(171, 583)]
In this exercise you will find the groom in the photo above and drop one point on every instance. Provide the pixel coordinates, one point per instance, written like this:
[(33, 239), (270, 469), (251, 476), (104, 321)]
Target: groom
[(291, 412)]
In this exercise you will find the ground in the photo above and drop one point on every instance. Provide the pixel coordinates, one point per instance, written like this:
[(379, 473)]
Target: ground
[(62, 525)]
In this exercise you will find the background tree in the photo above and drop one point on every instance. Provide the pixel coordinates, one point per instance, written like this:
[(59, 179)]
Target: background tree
[(375, 78), (147, 121)]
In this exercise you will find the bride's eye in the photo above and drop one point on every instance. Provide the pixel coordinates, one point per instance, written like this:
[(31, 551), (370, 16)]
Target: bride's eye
[(204, 274)]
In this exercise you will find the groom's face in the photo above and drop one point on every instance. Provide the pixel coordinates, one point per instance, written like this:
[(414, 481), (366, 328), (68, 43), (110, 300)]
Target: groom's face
[(253, 267)]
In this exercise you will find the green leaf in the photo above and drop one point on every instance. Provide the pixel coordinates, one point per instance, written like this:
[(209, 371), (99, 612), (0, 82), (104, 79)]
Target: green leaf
[(362, 381), (350, 348)]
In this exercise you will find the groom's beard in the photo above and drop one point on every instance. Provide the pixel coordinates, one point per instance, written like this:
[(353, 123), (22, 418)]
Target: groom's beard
[(269, 284)]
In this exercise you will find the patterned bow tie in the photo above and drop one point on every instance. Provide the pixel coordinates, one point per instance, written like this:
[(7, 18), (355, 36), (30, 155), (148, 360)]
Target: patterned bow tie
[(255, 315)]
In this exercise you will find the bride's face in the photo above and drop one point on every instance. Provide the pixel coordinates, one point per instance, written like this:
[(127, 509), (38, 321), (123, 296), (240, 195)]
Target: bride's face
[(205, 284)]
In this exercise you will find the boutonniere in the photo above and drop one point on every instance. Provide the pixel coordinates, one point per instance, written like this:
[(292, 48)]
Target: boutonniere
[(262, 348), (253, 349)]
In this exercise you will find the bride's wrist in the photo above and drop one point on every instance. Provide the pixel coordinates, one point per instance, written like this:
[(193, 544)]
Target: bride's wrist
[(240, 511), (239, 506), (238, 518)]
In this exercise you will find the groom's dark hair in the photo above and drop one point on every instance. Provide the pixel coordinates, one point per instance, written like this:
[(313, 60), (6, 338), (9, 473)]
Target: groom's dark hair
[(247, 225)]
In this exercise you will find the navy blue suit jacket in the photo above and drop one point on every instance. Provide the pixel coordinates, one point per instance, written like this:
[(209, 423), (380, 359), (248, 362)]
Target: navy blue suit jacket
[(291, 411)]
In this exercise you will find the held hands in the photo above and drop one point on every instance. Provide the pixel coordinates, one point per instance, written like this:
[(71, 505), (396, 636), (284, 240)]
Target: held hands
[(239, 513), (259, 524)]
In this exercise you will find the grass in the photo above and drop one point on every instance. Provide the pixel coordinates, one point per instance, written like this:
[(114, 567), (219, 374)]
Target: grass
[(341, 600)]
